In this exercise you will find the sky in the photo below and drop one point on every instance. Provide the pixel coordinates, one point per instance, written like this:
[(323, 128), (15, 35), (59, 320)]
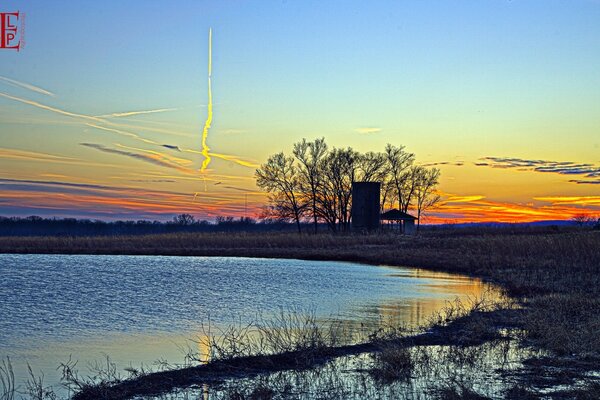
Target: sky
[(103, 110)]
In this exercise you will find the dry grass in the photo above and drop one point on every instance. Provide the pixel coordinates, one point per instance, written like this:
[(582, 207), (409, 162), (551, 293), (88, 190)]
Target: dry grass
[(554, 275), (393, 362)]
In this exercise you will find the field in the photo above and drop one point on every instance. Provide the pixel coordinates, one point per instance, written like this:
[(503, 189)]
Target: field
[(552, 274)]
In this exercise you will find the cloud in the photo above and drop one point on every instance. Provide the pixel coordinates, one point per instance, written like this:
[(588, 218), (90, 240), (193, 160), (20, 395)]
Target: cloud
[(171, 146), (463, 199), (57, 198), (585, 182), (27, 86), (152, 157), (452, 163), (476, 208), (558, 167), (571, 200), (164, 156), (134, 136), (368, 130), (99, 123)]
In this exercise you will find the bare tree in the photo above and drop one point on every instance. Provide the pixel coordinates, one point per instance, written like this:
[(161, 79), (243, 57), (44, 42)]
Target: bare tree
[(372, 167), (317, 182), (426, 181), (583, 220), (279, 177), (399, 161), (410, 180), (340, 171), (184, 219), (310, 156)]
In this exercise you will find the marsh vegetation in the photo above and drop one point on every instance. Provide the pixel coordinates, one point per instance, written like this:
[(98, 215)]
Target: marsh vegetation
[(543, 343)]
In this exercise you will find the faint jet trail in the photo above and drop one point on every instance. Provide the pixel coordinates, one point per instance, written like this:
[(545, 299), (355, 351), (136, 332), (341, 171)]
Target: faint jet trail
[(205, 148), (130, 113), (56, 110), (26, 86)]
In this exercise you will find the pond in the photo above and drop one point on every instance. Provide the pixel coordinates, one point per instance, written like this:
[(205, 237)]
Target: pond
[(138, 309)]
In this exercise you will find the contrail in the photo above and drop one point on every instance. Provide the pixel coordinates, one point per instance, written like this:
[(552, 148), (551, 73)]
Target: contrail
[(205, 148), (124, 133), (56, 110), (130, 113), (26, 86)]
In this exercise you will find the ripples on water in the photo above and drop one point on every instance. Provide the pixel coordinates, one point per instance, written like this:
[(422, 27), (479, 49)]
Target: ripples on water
[(140, 308)]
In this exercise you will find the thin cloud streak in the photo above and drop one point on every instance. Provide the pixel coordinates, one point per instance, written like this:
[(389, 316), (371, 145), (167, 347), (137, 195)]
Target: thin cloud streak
[(67, 198), (153, 158), (227, 157), (15, 154), (130, 113), (124, 133), (99, 122), (49, 108), (27, 86), (32, 155), (558, 167), (368, 130)]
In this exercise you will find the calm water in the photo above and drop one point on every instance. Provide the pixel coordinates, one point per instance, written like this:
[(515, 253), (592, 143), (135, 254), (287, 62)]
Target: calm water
[(137, 309)]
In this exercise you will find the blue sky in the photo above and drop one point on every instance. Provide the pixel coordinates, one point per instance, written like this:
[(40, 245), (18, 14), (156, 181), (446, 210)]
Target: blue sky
[(451, 80)]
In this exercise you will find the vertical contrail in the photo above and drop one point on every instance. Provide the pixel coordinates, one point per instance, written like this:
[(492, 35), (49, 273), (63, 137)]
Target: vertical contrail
[(205, 147)]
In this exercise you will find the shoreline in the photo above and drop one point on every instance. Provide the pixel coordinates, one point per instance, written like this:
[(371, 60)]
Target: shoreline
[(554, 277)]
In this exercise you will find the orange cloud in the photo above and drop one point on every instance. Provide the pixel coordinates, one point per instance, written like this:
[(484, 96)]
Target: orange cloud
[(573, 200), (478, 209)]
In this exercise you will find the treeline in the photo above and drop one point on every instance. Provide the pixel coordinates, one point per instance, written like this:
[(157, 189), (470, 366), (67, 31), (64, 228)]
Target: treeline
[(37, 226), (314, 183)]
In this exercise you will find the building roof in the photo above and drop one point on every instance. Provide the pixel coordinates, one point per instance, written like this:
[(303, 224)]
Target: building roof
[(396, 215)]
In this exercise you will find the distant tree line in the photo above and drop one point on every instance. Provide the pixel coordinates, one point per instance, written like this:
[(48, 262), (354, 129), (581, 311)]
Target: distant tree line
[(314, 183), (38, 226)]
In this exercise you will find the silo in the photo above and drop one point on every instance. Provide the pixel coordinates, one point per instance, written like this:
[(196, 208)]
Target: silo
[(365, 205)]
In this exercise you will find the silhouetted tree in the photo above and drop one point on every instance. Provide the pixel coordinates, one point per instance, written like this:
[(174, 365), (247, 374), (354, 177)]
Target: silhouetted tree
[(399, 161), (316, 183), (280, 178), (583, 220), (184, 219), (310, 157), (426, 181)]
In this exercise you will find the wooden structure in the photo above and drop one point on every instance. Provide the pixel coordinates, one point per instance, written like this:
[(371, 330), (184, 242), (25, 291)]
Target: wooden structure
[(398, 221)]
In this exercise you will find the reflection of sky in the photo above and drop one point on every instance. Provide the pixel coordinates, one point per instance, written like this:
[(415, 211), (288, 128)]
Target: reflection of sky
[(140, 309), (500, 96)]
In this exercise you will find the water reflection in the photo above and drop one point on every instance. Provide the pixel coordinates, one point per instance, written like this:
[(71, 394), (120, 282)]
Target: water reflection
[(138, 309), (436, 372)]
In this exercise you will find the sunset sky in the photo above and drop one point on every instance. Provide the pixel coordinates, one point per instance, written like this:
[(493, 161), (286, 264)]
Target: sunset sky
[(102, 111)]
